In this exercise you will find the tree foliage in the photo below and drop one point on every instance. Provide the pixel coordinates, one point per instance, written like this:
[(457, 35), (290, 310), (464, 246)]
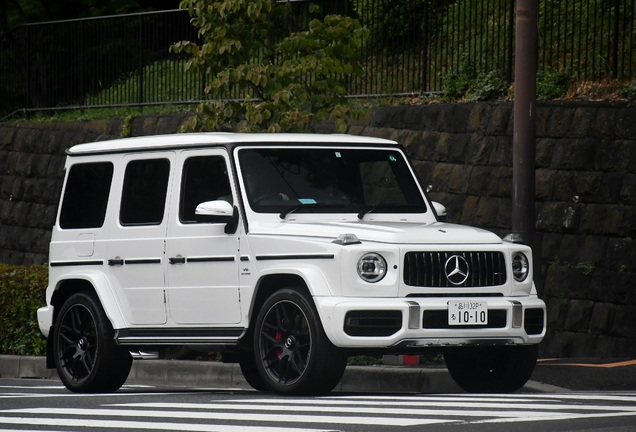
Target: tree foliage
[(286, 78)]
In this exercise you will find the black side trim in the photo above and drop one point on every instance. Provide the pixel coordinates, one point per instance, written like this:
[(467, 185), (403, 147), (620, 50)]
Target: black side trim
[(293, 257), (245, 258), (415, 295), (209, 259), (143, 261), (180, 336), (75, 263)]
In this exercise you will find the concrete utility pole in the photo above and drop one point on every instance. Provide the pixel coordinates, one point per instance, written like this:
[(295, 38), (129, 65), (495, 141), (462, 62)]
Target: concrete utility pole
[(524, 130)]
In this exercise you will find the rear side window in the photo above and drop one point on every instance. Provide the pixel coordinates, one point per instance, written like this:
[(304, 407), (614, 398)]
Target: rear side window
[(144, 193), (86, 195)]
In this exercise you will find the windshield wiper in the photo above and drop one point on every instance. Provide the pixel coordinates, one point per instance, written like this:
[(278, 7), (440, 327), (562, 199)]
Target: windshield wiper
[(371, 209), (293, 209), (391, 209)]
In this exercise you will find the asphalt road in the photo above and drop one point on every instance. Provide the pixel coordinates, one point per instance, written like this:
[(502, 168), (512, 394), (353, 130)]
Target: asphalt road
[(587, 374), (45, 405)]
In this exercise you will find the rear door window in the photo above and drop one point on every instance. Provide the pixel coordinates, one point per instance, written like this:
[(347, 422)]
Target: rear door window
[(143, 199)]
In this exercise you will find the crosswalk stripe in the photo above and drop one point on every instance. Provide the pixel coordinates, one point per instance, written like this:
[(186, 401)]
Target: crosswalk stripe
[(561, 417), (284, 418), (361, 410), (124, 424), (425, 403), (82, 395), (441, 411), (498, 398)]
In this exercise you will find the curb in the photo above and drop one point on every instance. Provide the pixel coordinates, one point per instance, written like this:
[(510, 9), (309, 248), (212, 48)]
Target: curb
[(187, 373)]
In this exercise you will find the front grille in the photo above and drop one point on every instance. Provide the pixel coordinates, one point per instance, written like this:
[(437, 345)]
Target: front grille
[(372, 323), (438, 319), (429, 269)]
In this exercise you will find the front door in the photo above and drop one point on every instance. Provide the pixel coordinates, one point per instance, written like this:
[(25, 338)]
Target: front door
[(202, 260)]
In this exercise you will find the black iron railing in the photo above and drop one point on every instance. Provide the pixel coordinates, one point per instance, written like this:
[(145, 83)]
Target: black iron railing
[(124, 60)]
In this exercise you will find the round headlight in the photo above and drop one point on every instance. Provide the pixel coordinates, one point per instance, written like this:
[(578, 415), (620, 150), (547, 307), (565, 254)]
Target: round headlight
[(520, 266), (371, 267)]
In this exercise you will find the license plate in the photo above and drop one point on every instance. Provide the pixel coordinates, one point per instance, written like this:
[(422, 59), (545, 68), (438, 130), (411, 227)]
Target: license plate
[(467, 313)]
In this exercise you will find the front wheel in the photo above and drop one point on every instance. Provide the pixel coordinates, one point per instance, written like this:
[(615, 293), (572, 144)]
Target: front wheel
[(86, 356), (496, 369), (250, 372), (292, 352)]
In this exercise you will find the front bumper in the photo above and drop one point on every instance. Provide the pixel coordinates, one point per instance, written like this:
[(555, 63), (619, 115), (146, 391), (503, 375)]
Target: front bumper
[(408, 324), (45, 319)]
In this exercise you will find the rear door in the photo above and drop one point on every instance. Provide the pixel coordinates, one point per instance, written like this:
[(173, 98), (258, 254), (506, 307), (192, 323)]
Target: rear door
[(136, 244)]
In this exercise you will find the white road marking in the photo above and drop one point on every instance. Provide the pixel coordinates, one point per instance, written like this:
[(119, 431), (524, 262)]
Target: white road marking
[(563, 417), (440, 411), (279, 418), (440, 404), (630, 397), (382, 410), (122, 424), (83, 395), (46, 387)]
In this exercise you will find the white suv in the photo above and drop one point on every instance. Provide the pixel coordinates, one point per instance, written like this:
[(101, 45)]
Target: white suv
[(286, 252)]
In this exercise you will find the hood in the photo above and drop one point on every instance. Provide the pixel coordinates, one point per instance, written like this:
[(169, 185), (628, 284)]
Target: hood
[(385, 232)]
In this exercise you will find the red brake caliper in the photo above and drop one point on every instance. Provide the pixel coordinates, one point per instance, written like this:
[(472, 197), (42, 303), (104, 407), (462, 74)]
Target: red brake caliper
[(279, 351)]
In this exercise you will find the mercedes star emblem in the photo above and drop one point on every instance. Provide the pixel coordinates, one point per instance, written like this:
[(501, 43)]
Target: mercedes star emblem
[(457, 270)]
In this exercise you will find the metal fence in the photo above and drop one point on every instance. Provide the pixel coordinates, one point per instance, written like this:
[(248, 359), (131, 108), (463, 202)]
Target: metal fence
[(124, 60)]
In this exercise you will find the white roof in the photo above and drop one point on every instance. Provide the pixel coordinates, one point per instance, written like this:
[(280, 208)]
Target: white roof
[(158, 142)]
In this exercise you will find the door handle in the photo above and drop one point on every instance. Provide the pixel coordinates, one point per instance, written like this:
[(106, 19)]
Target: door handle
[(177, 260), (115, 261)]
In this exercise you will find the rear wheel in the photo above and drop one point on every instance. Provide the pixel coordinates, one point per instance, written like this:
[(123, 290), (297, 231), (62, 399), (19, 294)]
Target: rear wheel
[(497, 369), (292, 352), (85, 354)]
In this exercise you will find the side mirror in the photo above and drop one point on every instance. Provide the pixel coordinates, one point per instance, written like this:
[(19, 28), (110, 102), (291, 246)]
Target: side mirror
[(440, 210), (218, 211)]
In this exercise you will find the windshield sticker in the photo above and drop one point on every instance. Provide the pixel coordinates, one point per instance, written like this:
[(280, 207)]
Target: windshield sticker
[(307, 201), (392, 158), (338, 155)]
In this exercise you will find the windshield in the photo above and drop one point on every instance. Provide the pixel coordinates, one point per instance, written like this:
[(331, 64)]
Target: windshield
[(329, 181)]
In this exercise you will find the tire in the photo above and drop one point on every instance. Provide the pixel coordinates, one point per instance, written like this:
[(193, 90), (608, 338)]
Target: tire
[(292, 352), (247, 362), (497, 369), (84, 350)]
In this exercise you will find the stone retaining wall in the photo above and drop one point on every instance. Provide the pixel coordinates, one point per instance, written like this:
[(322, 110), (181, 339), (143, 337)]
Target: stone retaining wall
[(585, 184)]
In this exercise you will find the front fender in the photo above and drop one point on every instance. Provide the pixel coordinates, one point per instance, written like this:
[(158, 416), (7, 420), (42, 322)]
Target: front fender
[(313, 277)]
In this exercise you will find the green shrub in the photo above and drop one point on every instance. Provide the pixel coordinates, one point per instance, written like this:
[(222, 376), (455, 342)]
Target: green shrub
[(472, 85), (628, 90), (22, 292), (551, 84)]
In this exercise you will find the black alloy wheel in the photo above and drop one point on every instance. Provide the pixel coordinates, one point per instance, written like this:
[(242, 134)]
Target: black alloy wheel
[(293, 354), (85, 354)]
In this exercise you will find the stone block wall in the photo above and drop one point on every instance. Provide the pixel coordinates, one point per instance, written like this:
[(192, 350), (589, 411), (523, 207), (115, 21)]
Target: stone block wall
[(586, 203), (585, 187), (32, 159)]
